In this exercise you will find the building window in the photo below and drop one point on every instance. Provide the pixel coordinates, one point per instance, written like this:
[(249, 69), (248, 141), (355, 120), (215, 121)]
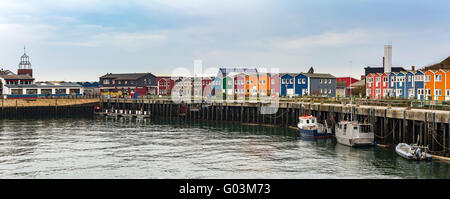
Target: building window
[(46, 91), (438, 92), (438, 78), (74, 91), (60, 91), (16, 91), (31, 91), (427, 78)]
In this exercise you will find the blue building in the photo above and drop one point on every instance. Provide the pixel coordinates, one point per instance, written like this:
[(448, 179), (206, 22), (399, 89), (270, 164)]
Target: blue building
[(287, 85), (409, 85), (301, 84), (419, 85), (400, 85), (216, 86)]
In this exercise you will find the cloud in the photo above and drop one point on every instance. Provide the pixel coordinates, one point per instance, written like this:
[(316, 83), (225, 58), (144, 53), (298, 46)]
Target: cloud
[(125, 40), (349, 37)]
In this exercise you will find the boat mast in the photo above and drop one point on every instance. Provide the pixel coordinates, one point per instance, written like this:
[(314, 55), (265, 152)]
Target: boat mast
[(351, 99)]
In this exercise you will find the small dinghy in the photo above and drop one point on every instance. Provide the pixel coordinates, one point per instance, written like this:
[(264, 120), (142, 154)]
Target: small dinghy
[(413, 151)]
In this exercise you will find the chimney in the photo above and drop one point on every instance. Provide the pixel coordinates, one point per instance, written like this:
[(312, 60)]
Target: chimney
[(413, 68), (387, 58)]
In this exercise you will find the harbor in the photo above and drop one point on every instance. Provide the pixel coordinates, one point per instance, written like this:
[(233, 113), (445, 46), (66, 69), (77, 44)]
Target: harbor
[(225, 89), (109, 147), (392, 125)]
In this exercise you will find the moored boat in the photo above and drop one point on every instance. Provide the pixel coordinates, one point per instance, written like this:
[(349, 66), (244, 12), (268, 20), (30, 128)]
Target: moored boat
[(353, 133), (309, 127), (412, 152)]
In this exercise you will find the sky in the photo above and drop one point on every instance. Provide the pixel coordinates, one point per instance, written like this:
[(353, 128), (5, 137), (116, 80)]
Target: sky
[(81, 40)]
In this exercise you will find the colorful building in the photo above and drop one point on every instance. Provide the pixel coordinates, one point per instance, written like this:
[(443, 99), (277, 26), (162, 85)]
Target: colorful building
[(239, 85), (345, 86), (128, 83), (164, 85), (263, 85), (251, 85), (287, 84), (321, 84), (275, 89), (419, 85), (206, 86), (301, 85)]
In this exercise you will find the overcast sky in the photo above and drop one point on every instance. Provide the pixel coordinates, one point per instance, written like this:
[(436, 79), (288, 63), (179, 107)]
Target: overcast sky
[(80, 40)]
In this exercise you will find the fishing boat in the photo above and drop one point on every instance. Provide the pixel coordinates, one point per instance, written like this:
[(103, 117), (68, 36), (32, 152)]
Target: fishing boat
[(309, 127), (353, 133), (413, 151)]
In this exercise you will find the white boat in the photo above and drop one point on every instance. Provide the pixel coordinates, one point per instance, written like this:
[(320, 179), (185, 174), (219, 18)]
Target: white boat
[(413, 151), (353, 133), (309, 127)]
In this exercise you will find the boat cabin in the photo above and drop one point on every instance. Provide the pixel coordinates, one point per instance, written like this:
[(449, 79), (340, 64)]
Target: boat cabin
[(307, 120), (353, 127)]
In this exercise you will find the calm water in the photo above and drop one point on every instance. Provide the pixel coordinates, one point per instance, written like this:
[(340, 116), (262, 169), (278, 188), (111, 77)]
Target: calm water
[(110, 148)]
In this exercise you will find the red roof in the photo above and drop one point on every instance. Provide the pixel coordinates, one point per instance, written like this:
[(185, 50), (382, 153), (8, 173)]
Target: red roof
[(306, 117)]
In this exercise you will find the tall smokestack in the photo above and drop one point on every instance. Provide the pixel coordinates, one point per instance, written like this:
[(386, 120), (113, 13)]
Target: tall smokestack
[(387, 58)]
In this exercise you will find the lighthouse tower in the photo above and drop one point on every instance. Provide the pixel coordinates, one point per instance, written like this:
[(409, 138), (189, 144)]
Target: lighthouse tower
[(25, 65)]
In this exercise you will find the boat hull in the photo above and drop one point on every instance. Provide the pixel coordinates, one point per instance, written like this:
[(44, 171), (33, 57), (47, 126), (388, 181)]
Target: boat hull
[(314, 133), (355, 141), (402, 150)]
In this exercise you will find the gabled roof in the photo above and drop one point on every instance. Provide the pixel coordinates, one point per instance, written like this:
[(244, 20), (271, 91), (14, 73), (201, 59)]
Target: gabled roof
[(319, 75), (6, 72), (290, 74), (125, 76), (226, 71)]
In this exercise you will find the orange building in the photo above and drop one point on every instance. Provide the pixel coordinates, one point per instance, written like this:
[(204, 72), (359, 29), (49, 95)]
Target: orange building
[(439, 85), (251, 85), (429, 85), (447, 85), (263, 84)]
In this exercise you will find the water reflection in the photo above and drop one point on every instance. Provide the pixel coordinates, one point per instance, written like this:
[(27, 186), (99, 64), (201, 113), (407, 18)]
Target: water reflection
[(108, 147)]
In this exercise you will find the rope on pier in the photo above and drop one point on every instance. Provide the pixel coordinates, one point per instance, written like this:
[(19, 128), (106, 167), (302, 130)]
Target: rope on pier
[(382, 137), (445, 148), (270, 117)]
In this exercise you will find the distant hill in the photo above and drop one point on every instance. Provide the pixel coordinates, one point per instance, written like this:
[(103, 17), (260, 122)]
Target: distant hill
[(443, 65)]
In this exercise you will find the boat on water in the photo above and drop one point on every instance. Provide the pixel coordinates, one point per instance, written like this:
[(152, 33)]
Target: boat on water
[(309, 127), (413, 152), (353, 133)]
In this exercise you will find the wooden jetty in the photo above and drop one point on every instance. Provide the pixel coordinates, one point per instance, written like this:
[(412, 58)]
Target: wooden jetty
[(392, 125)]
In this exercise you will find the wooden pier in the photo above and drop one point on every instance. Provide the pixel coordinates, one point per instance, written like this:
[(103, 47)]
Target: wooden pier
[(392, 125), (40, 108)]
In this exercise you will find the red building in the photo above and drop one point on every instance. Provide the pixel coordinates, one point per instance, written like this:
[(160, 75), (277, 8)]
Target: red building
[(347, 81), (164, 85), (206, 86), (377, 85)]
